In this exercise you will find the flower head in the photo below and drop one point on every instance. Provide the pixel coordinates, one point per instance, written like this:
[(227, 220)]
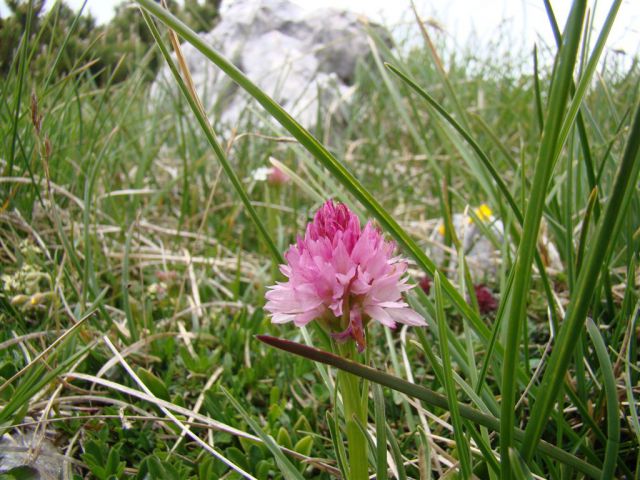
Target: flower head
[(342, 275), (425, 284), (272, 175), (487, 303), (277, 177)]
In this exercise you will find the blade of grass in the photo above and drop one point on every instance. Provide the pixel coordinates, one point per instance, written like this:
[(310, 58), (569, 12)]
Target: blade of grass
[(23, 60), (613, 408), (442, 74), (536, 89), (425, 464), (396, 454), (582, 243), (486, 162), (198, 111), (381, 432), (519, 468), (504, 189), (462, 444), (36, 381), (581, 89), (55, 344), (635, 422), (126, 306), (61, 49), (338, 444)]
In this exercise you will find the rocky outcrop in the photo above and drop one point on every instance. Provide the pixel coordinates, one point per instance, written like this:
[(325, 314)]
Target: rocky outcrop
[(306, 60)]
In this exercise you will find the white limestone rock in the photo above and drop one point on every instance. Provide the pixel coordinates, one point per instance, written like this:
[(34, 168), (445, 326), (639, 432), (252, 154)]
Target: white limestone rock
[(305, 60)]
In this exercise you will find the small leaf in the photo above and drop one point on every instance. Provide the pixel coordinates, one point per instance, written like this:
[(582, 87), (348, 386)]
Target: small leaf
[(283, 438), (302, 425), (22, 472), (238, 457), (304, 445), (155, 384)]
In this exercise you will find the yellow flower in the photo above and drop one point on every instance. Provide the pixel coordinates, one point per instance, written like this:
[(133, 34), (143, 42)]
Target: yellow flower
[(483, 212)]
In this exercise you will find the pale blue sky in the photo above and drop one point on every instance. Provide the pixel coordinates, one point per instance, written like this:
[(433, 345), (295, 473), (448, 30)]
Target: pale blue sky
[(526, 19)]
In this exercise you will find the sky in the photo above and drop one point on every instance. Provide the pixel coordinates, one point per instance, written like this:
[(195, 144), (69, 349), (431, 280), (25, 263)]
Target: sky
[(463, 20)]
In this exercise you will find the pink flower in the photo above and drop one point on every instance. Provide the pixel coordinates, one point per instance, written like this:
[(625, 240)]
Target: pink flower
[(487, 303), (425, 284), (277, 176), (343, 276)]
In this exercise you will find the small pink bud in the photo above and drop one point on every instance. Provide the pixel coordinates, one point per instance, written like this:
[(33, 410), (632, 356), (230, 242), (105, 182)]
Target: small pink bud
[(486, 301), (277, 177), (425, 284)]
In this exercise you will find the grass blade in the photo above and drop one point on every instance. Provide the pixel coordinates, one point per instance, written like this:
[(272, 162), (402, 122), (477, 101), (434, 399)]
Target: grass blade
[(449, 384), (381, 433), (198, 111), (504, 189), (338, 444), (518, 467), (613, 407)]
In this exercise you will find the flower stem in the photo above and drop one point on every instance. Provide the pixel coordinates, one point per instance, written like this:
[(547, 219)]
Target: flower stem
[(355, 411)]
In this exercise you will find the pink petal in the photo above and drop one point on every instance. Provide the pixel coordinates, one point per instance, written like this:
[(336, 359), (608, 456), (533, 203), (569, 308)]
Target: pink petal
[(406, 316), (380, 314)]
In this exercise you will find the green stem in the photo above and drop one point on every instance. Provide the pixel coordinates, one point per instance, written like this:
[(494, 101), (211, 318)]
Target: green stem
[(354, 413)]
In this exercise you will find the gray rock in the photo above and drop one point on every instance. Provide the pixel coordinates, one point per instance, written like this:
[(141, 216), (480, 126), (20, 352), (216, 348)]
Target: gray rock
[(482, 246), (306, 60), (483, 257), (25, 450)]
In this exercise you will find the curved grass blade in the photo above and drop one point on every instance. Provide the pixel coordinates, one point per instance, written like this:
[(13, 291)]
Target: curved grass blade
[(486, 162), (469, 139), (633, 402), (536, 89), (426, 395), (60, 340), (462, 443), (381, 433), (198, 111), (396, 454), (518, 467), (582, 243), (583, 85), (613, 407), (338, 444), (35, 381)]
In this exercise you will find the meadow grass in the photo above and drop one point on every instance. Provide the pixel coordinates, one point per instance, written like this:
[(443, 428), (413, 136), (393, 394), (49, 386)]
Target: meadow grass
[(136, 247)]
